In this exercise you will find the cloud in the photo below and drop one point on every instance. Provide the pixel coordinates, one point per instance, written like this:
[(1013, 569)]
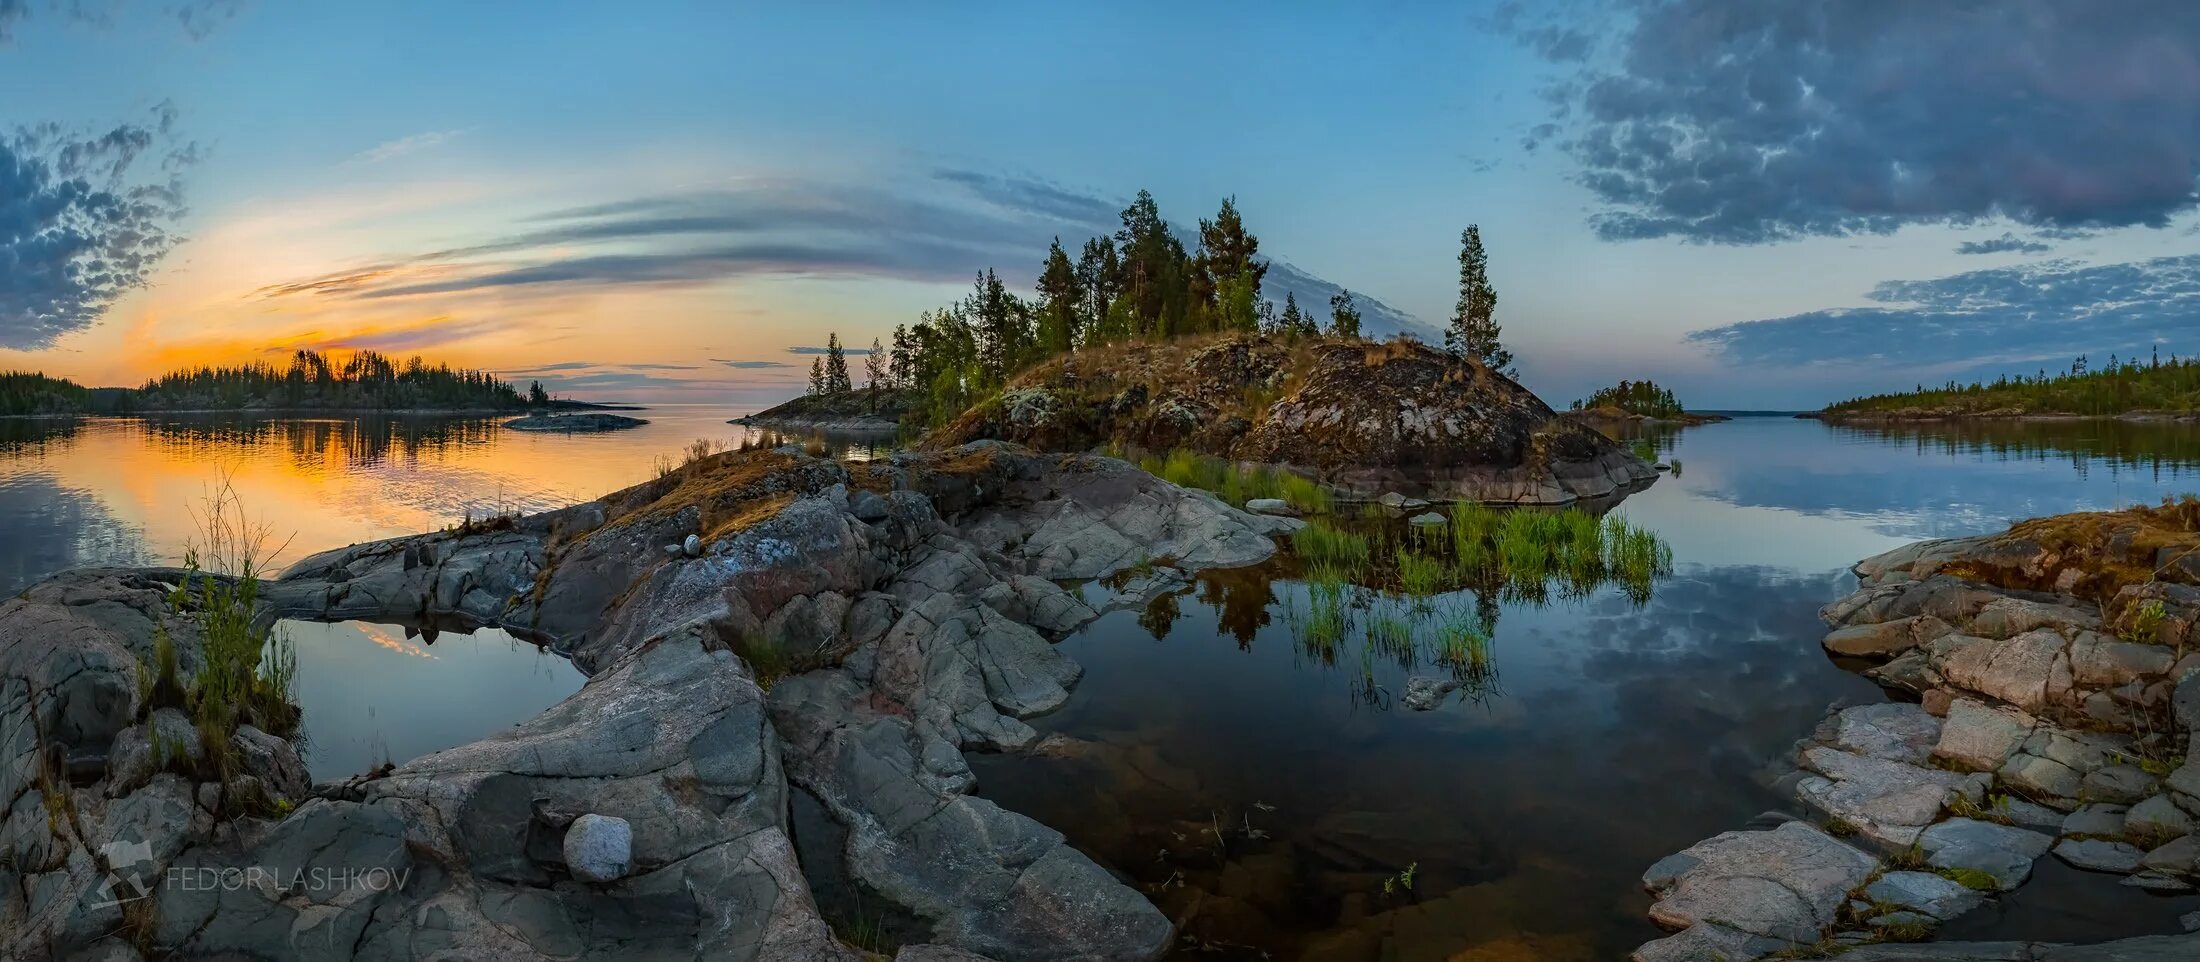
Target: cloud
[(750, 365), (819, 350), (1747, 121), (2007, 243), (81, 224), (943, 228), (2005, 318), (198, 18), (406, 145)]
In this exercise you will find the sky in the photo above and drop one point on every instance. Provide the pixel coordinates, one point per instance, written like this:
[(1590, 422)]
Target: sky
[(1760, 203)]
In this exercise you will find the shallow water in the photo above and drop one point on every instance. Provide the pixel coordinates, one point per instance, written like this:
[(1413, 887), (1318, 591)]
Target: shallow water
[(1254, 789), (386, 693)]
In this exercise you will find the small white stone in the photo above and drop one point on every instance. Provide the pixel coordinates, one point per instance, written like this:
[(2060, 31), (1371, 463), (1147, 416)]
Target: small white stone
[(693, 545), (599, 848)]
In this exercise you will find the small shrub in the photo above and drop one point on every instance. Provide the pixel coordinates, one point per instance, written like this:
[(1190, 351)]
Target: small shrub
[(2146, 624)]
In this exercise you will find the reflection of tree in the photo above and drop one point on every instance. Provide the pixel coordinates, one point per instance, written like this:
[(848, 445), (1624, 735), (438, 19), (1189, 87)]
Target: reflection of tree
[(1240, 599), (356, 442), (28, 437), (1160, 615), (2119, 444)]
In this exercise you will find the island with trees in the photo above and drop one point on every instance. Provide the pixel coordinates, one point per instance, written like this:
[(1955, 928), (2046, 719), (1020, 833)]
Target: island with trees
[(1643, 401), (2131, 388), (311, 381)]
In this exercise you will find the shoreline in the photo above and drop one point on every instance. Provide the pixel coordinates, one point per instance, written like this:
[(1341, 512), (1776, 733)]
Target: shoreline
[(2142, 417)]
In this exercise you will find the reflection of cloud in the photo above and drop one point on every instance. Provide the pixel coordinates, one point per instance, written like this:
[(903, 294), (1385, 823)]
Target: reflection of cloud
[(387, 638), (2046, 312), (52, 527), (1742, 121)]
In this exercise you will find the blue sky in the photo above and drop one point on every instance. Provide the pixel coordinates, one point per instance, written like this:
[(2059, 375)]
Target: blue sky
[(1761, 204)]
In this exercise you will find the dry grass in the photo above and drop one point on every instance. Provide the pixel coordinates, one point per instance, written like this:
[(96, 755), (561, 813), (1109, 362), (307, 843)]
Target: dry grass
[(2116, 549)]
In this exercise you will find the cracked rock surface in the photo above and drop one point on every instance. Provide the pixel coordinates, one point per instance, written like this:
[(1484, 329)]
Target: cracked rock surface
[(912, 607)]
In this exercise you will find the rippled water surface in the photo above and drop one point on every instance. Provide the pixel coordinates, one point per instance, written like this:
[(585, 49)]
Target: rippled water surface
[(1276, 799)]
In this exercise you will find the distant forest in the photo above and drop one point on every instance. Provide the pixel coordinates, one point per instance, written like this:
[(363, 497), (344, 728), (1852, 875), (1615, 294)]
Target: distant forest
[(1645, 398), (24, 392), (366, 381), (2121, 386)]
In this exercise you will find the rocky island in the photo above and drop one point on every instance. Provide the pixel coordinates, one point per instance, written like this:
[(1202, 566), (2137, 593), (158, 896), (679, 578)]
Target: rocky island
[(2057, 715), (1365, 418), (853, 411), (583, 423)]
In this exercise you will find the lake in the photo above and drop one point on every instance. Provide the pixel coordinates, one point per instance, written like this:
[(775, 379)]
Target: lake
[(1286, 803)]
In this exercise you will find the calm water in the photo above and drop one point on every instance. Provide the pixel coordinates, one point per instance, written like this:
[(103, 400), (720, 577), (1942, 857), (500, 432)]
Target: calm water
[(1264, 794), (383, 693)]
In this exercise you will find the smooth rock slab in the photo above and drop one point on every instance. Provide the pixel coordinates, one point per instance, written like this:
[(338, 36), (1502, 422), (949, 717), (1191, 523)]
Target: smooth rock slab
[(2096, 855), (2001, 851), (1980, 737), (2157, 817), (1889, 802), (1926, 893), (1785, 883), (2097, 819)]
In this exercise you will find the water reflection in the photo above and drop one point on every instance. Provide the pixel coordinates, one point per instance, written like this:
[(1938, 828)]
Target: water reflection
[(51, 526), (99, 490), (1232, 773), (386, 693)]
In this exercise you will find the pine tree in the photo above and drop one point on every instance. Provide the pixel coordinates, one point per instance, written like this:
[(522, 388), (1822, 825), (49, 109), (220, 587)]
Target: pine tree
[(1344, 318), (874, 373), (1474, 331), (1061, 301), (1003, 330), (836, 367), (817, 375), (1294, 323), (536, 396)]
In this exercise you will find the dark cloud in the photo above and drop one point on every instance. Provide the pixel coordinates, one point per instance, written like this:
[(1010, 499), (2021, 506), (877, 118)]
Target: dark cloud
[(2007, 243), (750, 365), (2007, 318), (806, 349), (1748, 121), (81, 224)]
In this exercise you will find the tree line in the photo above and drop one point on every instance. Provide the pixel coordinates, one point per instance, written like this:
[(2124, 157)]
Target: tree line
[(1140, 283), (2119, 386), (366, 380), (27, 392)]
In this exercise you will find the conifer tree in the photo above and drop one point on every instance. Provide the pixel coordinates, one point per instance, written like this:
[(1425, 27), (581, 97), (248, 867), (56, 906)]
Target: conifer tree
[(817, 375), (1061, 302), (836, 367), (1474, 331), (1344, 318), (874, 373)]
